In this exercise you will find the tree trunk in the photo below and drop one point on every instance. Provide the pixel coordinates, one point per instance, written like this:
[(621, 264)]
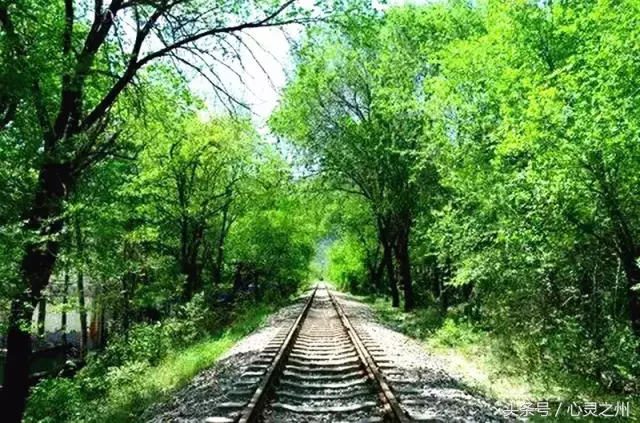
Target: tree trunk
[(445, 294), (628, 253), (217, 277), (388, 262), (15, 387), (102, 328), (63, 317), (42, 315), (94, 326), (401, 248), (190, 270), (627, 248), (379, 282), (84, 335), (436, 285), (632, 272), (444, 301), (217, 267), (238, 277), (190, 244), (127, 282), (187, 290), (39, 258)]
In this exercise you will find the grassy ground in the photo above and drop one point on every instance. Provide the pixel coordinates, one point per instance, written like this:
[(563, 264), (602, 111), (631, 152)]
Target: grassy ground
[(476, 357), (155, 384)]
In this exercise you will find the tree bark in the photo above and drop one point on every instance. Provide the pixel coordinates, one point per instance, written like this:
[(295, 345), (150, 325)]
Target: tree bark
[(445, 294), (191, 283), (378, 279), (191, 237), (632, 273), (387, 257), (102, 328), (95, 334), (63, 317), (15, 387), (127, 282), (217, 265), (84, 336), (42, 315), (401, 248), (217, 277)]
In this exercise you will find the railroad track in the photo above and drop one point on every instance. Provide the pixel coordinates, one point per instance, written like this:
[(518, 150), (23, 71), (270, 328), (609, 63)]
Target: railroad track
[(319, 370)]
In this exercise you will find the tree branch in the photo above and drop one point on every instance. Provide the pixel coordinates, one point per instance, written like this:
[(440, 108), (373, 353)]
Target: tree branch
[(68, 27), (263, 23)]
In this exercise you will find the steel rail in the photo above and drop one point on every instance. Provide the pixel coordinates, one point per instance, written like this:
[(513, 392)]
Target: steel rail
[(392, 408), (253, 409)]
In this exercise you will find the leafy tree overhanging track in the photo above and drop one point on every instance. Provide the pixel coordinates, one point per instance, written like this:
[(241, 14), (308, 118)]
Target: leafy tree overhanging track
[(321, 369)]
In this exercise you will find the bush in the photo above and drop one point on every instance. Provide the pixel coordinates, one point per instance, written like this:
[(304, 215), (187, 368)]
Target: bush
[(148, 343), (130, 377), (191, 322), (54, 400), (456, 334)]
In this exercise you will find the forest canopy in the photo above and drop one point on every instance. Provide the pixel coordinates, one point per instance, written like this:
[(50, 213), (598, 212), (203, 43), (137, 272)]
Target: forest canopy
[(485, 158)]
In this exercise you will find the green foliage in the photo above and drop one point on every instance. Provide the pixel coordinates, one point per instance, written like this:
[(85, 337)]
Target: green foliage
[(55, 400), (486, 151), (454, 334), (277, 236), (539, 197), (504, 136), (346, 267)]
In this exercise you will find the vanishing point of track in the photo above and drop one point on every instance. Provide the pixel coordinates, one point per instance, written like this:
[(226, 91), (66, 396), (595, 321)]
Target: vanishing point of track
[(320, 370)]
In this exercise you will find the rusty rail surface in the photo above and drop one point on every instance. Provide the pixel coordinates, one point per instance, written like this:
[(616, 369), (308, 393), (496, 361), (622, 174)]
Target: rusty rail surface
[(392, 408), (253, 409)]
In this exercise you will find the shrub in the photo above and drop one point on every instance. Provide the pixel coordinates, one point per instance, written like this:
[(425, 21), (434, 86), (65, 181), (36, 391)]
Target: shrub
[(455, 334), (54, 400), (191, 322)]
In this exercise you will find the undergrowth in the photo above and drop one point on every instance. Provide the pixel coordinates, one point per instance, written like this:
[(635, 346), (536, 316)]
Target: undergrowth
[(154, 362)]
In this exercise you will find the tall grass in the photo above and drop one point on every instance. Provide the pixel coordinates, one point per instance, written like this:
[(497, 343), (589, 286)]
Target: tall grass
[(126, 403)]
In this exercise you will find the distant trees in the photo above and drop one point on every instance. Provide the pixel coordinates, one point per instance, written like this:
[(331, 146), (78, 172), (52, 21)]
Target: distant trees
[(188, 186)]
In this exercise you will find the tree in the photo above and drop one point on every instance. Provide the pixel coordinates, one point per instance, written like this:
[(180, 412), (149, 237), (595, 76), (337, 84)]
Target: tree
[(76, 76), (188, 183), (534, 137), (273, 241), (355, 107), (356, 257)]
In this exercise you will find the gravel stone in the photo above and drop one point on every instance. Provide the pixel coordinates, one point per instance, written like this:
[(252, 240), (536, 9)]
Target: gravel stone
[(421, 381)]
